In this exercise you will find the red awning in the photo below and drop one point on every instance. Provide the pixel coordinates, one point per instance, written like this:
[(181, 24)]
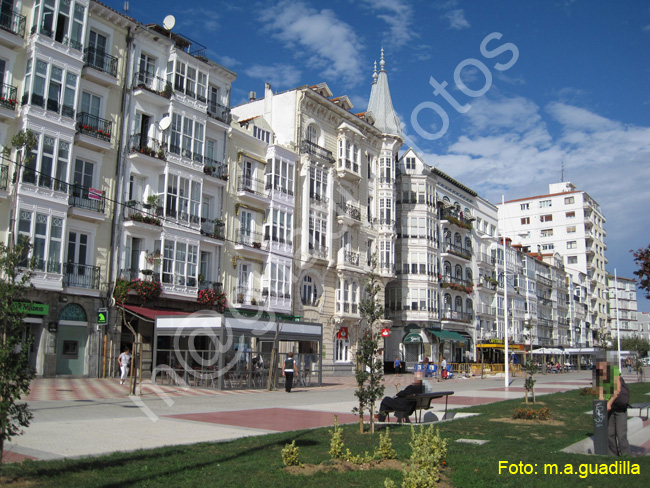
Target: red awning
[(150, 314)]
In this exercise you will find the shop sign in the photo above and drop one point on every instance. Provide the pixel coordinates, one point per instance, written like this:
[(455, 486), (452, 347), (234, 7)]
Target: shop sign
[(33, 308)]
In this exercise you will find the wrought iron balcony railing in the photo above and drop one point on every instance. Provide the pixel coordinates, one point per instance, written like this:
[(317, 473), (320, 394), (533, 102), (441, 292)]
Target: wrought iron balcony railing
[(350, 210), (100, 61), (94, 126), (8, 96), (86, 198), (152, 83), (315, 150), (219, 112), (81, 276), (12, 22)]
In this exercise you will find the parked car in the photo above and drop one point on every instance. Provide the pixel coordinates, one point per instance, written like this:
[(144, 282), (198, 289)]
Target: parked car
[(646, 361)]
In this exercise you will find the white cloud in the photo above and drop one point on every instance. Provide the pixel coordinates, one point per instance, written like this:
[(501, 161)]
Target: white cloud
[(278, 75), (328, 44), (456, 19), (201, 19), (227, 61), (398, 14)]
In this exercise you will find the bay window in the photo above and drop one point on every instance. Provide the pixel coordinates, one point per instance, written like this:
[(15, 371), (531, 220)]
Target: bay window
[(180, 263), (45, 232)]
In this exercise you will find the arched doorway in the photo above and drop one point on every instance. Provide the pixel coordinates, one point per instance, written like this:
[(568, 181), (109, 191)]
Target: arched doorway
[(72, 337)]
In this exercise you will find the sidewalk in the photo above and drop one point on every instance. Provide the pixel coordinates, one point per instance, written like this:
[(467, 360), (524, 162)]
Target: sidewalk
[(77, 417)]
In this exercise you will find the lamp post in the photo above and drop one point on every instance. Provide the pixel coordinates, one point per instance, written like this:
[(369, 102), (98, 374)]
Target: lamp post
[(505, 297)]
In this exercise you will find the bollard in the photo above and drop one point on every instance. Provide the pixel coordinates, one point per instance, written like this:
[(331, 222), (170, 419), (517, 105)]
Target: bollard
[(600, 427)]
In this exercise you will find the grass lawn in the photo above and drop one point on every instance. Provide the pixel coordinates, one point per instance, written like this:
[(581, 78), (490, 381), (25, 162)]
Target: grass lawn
[(256, 461)]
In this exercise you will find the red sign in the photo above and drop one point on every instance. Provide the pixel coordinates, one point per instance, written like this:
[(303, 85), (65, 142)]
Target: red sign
[(385, 332), (342, 333), (95, 194)]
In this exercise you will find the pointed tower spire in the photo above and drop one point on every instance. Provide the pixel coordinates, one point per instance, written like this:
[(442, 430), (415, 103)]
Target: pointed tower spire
[(380, 104)]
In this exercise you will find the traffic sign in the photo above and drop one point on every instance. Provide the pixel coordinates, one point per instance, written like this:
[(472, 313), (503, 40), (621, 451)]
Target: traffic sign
[(102, 316)]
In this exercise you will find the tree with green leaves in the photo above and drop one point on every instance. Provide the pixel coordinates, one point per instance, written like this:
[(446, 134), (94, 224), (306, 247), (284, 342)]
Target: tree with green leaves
[(16, 373), (642, 260), (370, 365)]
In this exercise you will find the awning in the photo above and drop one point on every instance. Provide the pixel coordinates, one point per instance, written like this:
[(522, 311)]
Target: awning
[(448, 335), (412, 338), (150, 314)]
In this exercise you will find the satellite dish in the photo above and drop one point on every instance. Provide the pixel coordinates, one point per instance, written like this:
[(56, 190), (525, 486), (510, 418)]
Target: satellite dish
[(169, 22), (165, 122)]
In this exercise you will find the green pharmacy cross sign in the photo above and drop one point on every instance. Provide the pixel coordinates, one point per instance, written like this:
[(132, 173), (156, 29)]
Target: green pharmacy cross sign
[(102, 316)]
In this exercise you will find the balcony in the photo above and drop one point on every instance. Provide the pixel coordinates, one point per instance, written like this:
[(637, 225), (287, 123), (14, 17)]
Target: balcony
[(543, 280), (465, 317), (100, 67), (252, 191), (94, 132), (456, 217), (348, 259), (86, 203), (81, 276), (348, 214), (318, 199), (217, 286), (8, 102), (243, 295), (214, 229), (12, 29), (456, 284), (347, 309), (458, 251), (219, 112), (486, 259), (135, 214), (487, 310), (318, 251), (215, 169), (348, 170), (152, 88), (487, 283), (151, 149), (252, 243), (317, 151)]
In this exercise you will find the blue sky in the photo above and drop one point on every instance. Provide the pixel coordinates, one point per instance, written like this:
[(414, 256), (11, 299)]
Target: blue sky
[(578, 91)]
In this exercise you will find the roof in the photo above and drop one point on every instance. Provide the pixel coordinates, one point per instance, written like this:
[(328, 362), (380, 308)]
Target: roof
[(380, 104), (541, 196), (150, 314)]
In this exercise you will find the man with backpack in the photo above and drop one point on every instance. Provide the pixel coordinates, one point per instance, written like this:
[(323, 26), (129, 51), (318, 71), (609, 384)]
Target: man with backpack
[(613, 389)]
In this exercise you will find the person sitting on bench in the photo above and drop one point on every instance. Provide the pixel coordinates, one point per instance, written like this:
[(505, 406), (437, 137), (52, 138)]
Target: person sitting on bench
[(399, 403)]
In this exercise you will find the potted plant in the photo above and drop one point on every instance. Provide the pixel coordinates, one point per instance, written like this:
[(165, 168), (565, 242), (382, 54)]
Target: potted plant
[(167, 91), (152, 201)]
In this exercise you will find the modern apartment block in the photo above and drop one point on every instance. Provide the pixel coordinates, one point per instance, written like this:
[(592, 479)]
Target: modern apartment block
[(568, 222), (622, 307), (344, 201), (62, 71)]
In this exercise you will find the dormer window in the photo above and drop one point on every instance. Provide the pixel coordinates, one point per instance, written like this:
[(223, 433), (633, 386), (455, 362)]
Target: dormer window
[(261, 134)]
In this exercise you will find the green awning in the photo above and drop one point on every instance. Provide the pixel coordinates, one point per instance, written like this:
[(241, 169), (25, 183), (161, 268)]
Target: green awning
[(412, 338), (448, 335)]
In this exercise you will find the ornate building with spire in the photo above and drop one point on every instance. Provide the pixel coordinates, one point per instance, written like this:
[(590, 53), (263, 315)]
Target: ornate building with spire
[(344, 203)]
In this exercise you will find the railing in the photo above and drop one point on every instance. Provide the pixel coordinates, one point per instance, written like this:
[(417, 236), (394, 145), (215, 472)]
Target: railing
[(82, 197), (456, 280), (318, 198), (94, 126), (457, 217), (217, 111), (213, 228), (217, 286), (318, 250), (316, 150), (146, 145), (345, 163), (81, 276), (457, 316), (214, 168), (251, 185), (8, 96), (350, 210), (351, 257), (486, 258), (152, 83), (138, 212), (4, 176), (248, 238), (243, 295), (13, 23), (100, 61), (544, 280), (459, 251), (544, 322)]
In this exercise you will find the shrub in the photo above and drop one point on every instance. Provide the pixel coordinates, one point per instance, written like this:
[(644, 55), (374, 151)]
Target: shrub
[(428, 453), (385, 449), (526, 414), (290, 454), (336, 442)]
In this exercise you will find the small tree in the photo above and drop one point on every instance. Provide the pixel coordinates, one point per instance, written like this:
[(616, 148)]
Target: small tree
[(530, 367), (15, 371), (370, 367), (642, 260)]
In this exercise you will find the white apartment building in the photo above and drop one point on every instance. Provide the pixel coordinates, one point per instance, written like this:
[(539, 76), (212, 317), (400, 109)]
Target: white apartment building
[(622, 307), (344, 200), (568, 222)]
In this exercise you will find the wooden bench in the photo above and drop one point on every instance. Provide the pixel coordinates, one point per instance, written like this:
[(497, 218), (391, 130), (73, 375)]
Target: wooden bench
[(421, 401)]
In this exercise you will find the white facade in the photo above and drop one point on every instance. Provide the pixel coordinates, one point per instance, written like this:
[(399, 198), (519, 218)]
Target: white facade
[(622, 307)]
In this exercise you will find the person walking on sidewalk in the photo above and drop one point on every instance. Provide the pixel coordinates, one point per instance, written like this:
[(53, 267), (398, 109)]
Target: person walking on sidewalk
[(610, 389), (124, 359), (288, 371)]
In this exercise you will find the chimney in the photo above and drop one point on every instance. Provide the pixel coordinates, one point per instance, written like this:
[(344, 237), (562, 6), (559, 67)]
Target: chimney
[(252, 95)]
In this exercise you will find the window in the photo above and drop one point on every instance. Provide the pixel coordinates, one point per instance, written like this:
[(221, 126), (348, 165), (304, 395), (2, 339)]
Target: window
[(545, 203), (309, 295), (279, 176), (180, 262), (317, 231), (525, 220), (546, 233), (546, 218), (548, 247), (279, 229), (569, 200), (146, 70), (572, 259), (311, 134), (385, 207), (183, 199), (280, 280), (318, 184), (571, 245), (410, 163), (49, 167), (261, 134), (58, 25), (342, 350), (186, 137), (524, 206), (570, 215), (45, 232), (571, 229)]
